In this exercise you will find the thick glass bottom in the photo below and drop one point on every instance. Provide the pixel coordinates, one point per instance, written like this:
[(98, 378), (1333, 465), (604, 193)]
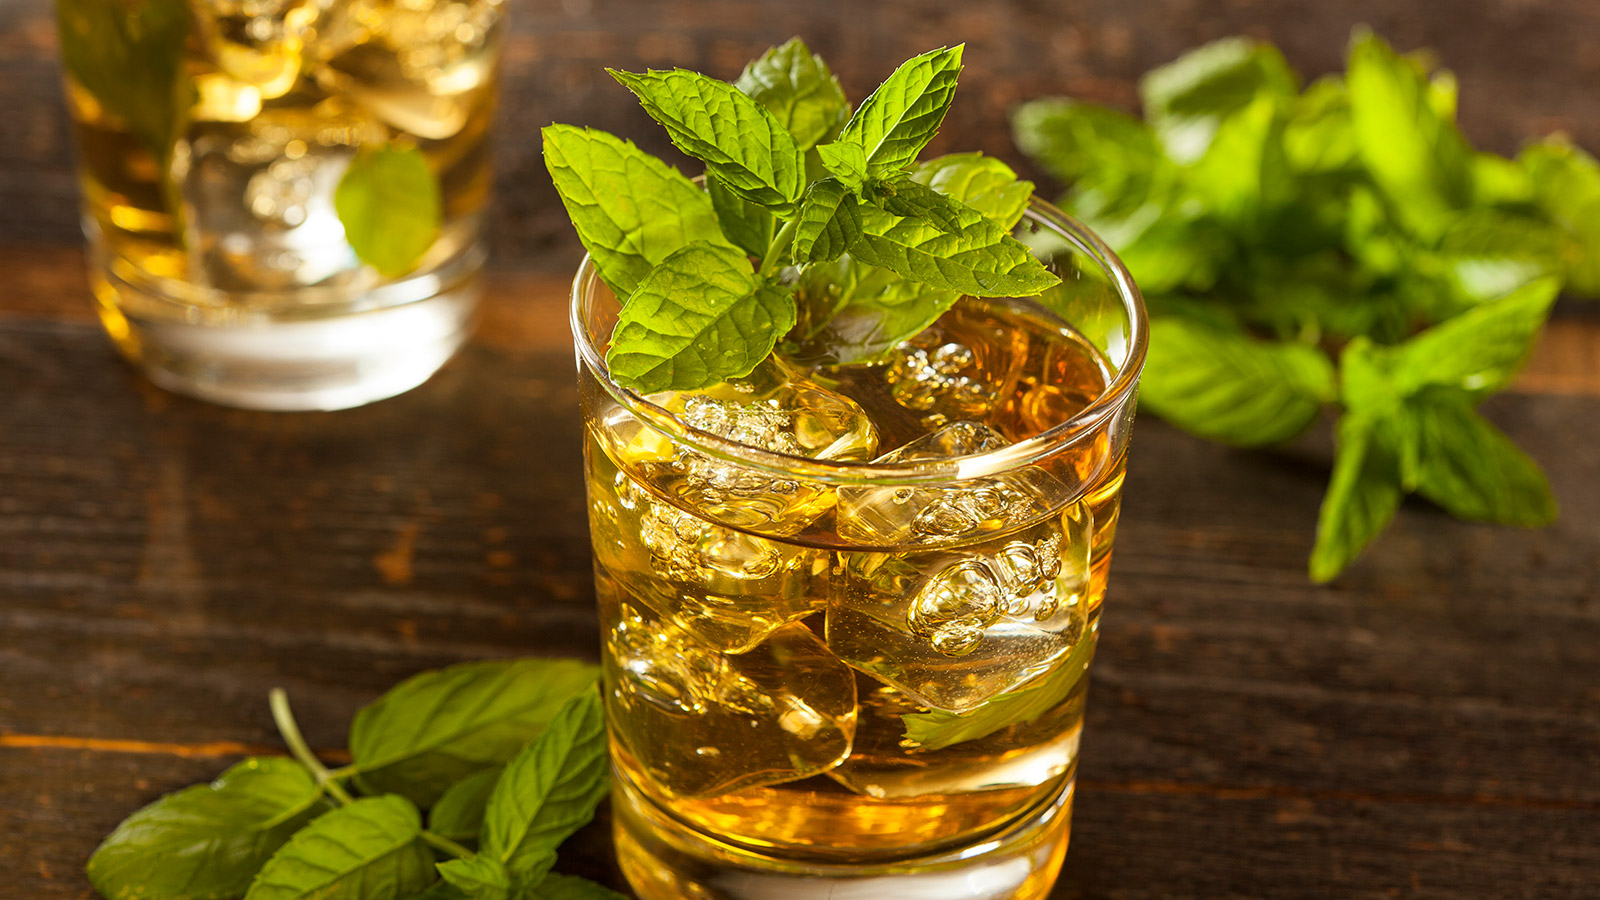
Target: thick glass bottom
[(345, 350), (664, 860)]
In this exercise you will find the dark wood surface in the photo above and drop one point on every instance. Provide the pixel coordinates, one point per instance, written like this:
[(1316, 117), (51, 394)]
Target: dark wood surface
[(1429, 726)]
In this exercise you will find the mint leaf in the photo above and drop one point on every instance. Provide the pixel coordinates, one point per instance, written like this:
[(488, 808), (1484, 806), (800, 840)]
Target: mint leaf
[(370, 849), (1566, 183), (571, 887), (459, 813), (1187, 99), (799, 90), (954, 248), (982, 182), (549, 791), (698, 318), (936, 730), (1490, 252), (129, 57), (1076, 141), (207, 841), (846, 162), (1411, 149), (1481, 349), (1469, 467), (830, 219), (746, 224), (742, 144), (388, 202), (1243, 170), (1225, 386), (630, 209), (438, 727), (1362, 496), (904, 113), (480, 877), (1318, 136)]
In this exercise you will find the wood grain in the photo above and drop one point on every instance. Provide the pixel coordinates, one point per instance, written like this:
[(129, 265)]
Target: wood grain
[(1426, 727)]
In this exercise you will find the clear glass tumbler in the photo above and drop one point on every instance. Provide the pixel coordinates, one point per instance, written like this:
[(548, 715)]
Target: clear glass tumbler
[(283, 199), (848, 613)]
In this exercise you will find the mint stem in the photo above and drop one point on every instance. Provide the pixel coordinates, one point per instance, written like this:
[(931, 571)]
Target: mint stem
[(278, 700), (445, 845), (780, 243)]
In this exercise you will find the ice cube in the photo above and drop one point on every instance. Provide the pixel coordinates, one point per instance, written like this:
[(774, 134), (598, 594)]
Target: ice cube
[(702, 723), (423, 66), (728, 588), (775, 409), (261, 43), (960, 368), (954, 627), (258, 198), (936, 513)]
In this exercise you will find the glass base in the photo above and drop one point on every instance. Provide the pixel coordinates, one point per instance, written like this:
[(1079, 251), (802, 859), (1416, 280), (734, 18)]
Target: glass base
[(664, 860), (362, 347)]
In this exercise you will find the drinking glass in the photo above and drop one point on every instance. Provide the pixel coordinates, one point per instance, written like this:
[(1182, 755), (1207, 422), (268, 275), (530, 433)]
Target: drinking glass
[(283, 199), (848, 612)]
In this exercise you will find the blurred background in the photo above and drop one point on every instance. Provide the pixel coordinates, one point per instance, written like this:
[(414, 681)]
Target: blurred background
[(1526, 68)]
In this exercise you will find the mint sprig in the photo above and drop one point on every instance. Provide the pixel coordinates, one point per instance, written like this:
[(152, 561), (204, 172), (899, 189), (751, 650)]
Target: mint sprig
[(526, 738), (1338, 248), (814, 223)]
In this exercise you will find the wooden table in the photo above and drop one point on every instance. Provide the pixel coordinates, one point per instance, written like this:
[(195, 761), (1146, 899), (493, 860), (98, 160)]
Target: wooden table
[(1429, 726)]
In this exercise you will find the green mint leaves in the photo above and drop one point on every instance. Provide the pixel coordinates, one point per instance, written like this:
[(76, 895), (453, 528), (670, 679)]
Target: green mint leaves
[(1341, 246), (389, 204), (129, 57), (208, 840), (814, 224), (698, 318), (523, 742)]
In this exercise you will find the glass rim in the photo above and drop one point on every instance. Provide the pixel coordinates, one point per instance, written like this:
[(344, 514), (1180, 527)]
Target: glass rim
[(1025, 452)]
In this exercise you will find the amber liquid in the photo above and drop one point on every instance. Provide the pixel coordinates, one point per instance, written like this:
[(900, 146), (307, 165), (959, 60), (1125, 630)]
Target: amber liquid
[(228, 185), (759, 681)]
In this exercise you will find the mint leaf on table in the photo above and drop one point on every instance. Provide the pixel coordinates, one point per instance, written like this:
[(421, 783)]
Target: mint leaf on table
[(1469, 467), (742, 144), (700, 317), (829, 221), (1487, 253), (630, 209), (129, 57), (389, 204), (549, 791), (982, 182), (206, 842), (1317, 135), (1566, 184), (1362, 496), (1223, 385), (748, 225), (1075, 141), (459, 813), (905, 112), (1188, 99), (571, 887), (1481, 349), (438, 727), (952, 251), (371, 849), (937, 729), (1410, 147), (800, 90), (478, 877)]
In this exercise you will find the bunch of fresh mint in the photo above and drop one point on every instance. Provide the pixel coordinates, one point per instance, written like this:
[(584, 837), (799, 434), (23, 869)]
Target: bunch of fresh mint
[(1342, 245), (508, 757), (816, 232)]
